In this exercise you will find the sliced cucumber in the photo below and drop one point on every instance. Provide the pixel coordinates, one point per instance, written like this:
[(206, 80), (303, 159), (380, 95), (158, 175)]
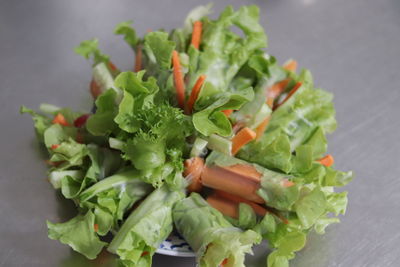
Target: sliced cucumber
[(220, 144)]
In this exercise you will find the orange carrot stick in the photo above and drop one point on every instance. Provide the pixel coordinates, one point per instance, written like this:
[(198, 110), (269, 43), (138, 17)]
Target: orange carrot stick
[(287, 183), (243, 137), (275, 90), (112, 66), (295, 88), (178, 78), (224, 206), (227, 112), (261, 128), (249, 171), (257, 208), (55, 146), (138, 59), (95, 90), (196, 34), (60, 119), (224, 262), (222, 178), (195, 93), (327, 161), (193, 170), (96, 227), (291, 65)]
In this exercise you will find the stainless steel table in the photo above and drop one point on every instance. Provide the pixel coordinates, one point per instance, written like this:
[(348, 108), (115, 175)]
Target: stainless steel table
[(352, 48)]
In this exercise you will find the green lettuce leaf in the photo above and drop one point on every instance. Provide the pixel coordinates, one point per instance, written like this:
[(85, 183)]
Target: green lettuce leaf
[(129, 33), (210, 234), (146, 227), (311, 207), (102, 122), (224, 52), (41, 122), (112, 197), (159, 49), (79, 233), (210, 120), (90, 49)]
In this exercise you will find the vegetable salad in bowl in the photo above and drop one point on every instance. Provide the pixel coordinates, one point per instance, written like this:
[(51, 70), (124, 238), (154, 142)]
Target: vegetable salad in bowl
[(207, 136)]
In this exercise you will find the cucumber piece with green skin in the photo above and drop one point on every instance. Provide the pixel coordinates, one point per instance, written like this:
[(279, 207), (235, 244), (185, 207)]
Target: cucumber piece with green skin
[(198, 147), (220, 144)]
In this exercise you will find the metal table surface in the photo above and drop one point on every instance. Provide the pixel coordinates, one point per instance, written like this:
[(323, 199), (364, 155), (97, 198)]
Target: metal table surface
[(351, 47)]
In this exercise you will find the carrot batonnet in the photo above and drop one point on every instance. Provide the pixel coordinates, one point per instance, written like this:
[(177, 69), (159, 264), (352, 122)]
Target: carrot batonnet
[(196, 34), (287, 183), (60, 119), (261, 128), (225, 206), (327, 161), (195, 93), (248, 171), (294, 90), (291, 65), (227, 112), (95, 89), (138, 59), (193, 169), (275, 90), (243, 137), (233, 182), (112, 66), (178, 79), (55, 146), (259, 210)]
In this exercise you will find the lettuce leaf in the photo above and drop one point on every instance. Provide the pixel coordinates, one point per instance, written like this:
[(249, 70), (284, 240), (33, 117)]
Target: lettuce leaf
[(210, 120), (112, 197), (90, 49), (41, 122), (102, 122), (129, 33), (146, 227), (210, 234), (224, 52), (79, 233)]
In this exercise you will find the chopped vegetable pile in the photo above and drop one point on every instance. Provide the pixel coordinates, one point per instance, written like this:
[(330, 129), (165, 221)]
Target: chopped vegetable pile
[(208, 135)]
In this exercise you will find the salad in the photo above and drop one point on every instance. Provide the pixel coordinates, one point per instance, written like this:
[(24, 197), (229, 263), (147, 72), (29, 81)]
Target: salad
[(207, 134)]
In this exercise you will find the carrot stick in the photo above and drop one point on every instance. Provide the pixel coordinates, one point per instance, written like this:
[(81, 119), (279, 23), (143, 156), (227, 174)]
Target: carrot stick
[(60, 119), (95, 90), (227, 112), (287, 183), (226, 180), (257, 208), (295, 88), (224, 262), (249, 171), (192, 172), (291, 65), (196, 34), (327, 161), (226, 207), (261, 128), (112, 66), (275, 90), (138, 59), (195, 93), (178, 78), (243, 137), (55, 146), (96, 227)]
